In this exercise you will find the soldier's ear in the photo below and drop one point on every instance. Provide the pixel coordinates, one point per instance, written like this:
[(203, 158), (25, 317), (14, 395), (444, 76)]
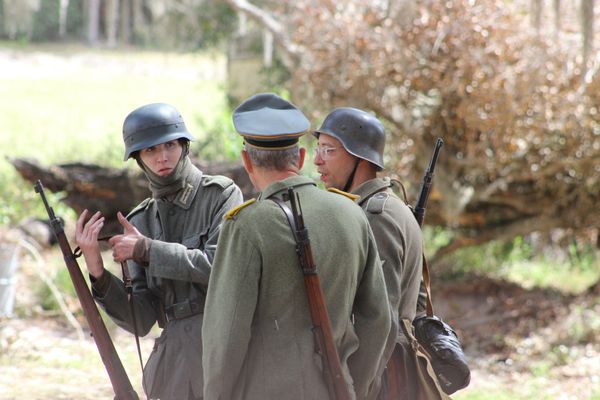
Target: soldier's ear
[(247, 163), (301, 157)]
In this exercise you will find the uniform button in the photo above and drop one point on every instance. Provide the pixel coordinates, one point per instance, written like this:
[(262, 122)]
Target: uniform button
[(171, 212), (188, 328)]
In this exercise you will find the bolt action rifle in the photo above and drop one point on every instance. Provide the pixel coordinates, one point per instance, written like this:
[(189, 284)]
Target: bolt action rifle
[(332, 371), (118, 377), (436, 337)]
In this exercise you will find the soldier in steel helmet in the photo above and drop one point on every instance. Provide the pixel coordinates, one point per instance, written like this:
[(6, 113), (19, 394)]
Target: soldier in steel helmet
[(169, 242), (348, 156), (258, 337)]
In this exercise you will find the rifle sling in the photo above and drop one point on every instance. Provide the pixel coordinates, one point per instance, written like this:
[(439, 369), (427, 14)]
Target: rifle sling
[(129, 290), (290, 217), (426, 282)]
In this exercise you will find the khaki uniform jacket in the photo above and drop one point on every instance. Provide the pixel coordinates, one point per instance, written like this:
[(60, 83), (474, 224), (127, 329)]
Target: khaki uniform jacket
[(400, 245), (258, 342), (186, 232)]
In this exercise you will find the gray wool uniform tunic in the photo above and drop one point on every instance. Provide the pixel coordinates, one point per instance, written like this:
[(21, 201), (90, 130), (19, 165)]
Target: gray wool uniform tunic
[(185, 232), (400, 245), (258, 342)]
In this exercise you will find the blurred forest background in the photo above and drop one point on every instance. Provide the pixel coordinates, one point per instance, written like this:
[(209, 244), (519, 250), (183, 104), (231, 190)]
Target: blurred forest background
[(512, 86)]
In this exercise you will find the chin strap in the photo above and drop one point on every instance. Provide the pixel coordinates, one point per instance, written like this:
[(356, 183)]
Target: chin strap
[(348, 184)]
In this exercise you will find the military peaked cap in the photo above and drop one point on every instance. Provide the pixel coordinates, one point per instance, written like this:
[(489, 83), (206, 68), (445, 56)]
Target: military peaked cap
[(267, 121)]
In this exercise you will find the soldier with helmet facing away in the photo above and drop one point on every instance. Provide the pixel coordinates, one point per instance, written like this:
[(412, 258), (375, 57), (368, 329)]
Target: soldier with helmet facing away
[(348, 156), (169, 242)]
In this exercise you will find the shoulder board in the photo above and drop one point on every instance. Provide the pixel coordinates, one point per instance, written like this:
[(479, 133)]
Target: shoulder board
[(233, 212), (351, 196), (139, 208), (220, 180), (376, 203)]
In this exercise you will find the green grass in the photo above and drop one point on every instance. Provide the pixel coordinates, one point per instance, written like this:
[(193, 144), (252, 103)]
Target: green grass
[(64, 104), (571, 273), (547, 274)]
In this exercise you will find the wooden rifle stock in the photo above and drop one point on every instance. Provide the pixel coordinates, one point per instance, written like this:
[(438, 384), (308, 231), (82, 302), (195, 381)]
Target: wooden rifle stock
[(118, 377), (334, 375)]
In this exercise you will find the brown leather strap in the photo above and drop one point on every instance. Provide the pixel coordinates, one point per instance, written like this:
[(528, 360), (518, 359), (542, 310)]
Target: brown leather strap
[(129, 291), (426, 281)]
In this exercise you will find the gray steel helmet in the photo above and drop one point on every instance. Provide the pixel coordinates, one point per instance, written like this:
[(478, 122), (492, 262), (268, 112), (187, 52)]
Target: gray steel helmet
[(360, 133), (151, 125)]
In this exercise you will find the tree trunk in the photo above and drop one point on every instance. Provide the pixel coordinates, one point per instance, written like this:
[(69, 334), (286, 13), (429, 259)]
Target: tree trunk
[(587, 30), (125, 20), (536, 13), (557, 19), (112, 22), (62, 18), (137, 20), (93, 22)]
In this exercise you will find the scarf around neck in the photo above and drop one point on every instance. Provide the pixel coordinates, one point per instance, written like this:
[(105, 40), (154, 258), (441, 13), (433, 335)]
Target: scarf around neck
[(162, 186)]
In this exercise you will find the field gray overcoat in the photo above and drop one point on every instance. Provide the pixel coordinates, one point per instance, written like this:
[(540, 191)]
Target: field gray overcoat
[(400, 245), (186, 231), (258, 342)]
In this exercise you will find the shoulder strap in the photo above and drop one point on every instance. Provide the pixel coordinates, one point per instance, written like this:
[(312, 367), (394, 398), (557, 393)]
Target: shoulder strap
[(234, 211), (376, 203), (351, 196)]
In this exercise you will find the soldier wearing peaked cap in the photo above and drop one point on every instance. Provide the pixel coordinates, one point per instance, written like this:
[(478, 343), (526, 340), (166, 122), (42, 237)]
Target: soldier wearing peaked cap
[(258, 341), (348, 156), (169, 241)]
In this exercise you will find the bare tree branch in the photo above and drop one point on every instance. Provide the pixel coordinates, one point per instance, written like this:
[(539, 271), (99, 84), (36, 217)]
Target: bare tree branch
[(265, 19)]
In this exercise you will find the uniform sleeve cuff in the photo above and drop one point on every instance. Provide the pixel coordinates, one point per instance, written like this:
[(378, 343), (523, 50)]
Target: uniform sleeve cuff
[(141, 251), (100, 285)]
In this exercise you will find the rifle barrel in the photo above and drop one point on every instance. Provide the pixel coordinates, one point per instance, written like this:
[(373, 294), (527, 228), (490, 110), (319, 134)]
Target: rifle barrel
[(421, 204)]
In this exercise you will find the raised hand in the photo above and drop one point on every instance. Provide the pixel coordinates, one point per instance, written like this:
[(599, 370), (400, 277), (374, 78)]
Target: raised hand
[(86, 236), (124, 244)]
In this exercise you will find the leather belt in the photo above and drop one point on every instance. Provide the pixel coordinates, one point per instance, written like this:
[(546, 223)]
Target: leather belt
[(184, 309)]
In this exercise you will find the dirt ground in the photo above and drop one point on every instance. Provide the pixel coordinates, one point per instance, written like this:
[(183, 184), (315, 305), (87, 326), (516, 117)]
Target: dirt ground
[(521, 344), (525, 343)]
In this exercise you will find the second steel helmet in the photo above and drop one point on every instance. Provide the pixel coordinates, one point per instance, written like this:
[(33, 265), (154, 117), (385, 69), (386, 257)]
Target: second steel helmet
[(360, 133), (151, 125)]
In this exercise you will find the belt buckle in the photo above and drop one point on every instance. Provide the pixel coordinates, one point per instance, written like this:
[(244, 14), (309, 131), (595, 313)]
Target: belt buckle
[(182, 309)]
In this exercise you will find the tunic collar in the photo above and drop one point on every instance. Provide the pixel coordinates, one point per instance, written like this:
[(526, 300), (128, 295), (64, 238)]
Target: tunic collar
[(285, 184), (185, 196), (370, 187)]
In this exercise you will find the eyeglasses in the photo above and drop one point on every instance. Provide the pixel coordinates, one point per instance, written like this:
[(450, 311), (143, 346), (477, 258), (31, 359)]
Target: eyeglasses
[(326, 153)]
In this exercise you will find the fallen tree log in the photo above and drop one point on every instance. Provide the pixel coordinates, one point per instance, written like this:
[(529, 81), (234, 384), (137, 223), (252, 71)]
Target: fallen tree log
[(109, 190)]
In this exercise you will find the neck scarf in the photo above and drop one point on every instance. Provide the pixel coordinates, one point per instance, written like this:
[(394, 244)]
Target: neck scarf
[(163, 186)]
